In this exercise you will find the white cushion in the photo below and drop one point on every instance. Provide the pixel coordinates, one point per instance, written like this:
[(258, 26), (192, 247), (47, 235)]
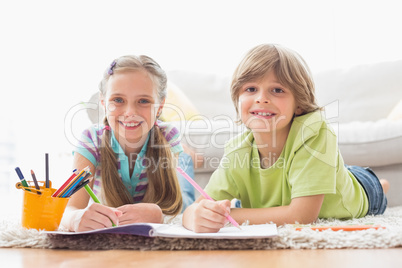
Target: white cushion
[(210, 93), (371, 143), (364, 93)]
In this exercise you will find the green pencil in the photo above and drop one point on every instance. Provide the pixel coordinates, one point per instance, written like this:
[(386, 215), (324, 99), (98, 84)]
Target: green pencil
[(95, 198)]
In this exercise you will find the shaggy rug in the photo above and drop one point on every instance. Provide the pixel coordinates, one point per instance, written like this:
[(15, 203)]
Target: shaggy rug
[(12, 235)]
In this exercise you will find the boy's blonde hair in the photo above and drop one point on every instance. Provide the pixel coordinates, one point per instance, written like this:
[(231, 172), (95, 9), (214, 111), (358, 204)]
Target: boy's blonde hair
[(163, 186), (289, 67)]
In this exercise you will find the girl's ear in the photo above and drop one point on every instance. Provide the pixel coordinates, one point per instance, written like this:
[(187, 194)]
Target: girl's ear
[(160, 107), (102, 99)]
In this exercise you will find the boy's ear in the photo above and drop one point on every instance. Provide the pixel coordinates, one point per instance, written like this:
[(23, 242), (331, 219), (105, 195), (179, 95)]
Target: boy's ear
[(298, 111)]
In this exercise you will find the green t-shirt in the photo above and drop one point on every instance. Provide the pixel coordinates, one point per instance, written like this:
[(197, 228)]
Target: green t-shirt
[(310, 164)]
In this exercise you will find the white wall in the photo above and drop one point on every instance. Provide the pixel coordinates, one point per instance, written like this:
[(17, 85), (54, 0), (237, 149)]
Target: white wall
[(53, 53)]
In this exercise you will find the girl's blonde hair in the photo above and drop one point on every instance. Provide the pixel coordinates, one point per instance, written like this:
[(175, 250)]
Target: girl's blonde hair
[(289, 67), (163, 187)]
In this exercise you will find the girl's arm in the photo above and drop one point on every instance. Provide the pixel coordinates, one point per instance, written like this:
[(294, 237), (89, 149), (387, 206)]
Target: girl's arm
[(185, 162), (303, 210), (79, 217), (140, 212)]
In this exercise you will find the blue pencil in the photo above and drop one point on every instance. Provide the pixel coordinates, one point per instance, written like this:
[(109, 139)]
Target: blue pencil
[(23, 181)]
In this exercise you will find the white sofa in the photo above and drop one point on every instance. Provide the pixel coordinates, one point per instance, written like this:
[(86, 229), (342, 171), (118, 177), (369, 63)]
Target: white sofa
[(357, 102)]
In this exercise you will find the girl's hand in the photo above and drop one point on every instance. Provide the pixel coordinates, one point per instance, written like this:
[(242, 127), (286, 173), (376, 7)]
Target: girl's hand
[(141, 212), (96, 216), (209, 216)]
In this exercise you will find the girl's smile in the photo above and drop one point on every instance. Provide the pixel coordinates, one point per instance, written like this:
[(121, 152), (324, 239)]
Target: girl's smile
[(130, 125)]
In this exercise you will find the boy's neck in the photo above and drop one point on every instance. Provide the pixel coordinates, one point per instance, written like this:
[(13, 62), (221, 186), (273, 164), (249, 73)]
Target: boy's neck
[(270, 146)]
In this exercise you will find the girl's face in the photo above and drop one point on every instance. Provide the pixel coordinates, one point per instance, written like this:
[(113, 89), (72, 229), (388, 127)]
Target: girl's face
[(131, 104), (267, 106)]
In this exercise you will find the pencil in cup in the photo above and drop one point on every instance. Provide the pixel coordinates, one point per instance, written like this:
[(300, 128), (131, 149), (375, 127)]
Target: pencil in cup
[(203, 193), (22, 179)]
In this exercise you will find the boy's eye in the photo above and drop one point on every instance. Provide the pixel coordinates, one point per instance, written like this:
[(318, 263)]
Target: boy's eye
[(277, 90), (251, 89)]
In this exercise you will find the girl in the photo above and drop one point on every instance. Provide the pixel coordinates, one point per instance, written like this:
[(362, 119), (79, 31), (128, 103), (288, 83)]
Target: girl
[(286, 167), (130, 155)]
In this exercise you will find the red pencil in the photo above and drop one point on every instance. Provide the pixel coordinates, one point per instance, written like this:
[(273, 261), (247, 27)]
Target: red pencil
[(65, 184)]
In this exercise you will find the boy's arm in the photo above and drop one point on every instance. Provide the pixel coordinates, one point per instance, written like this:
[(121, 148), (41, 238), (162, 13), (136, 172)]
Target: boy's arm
[(206, 216), (303, 210)]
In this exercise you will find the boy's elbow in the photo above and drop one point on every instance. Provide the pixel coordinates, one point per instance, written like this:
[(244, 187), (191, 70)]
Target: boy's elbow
[(306, 219)]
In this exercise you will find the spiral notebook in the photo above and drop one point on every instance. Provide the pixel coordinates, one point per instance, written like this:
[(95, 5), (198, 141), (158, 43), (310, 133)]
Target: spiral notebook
[(178, 231)]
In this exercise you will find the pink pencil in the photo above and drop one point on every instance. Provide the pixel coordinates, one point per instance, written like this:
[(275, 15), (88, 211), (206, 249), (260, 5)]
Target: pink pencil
[(203, 193)]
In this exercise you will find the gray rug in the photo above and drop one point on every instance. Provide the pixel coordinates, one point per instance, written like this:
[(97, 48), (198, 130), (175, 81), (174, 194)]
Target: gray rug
[(14, 236)]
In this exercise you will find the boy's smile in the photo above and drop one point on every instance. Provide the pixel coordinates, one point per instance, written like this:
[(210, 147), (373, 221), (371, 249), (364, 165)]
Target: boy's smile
[(262, 113)]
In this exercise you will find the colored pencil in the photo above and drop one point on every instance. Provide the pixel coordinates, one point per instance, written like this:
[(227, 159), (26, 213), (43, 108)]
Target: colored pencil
[(67, 187), (47, 169), (95, 198), (77, 182), (341, 227), (203, 193), (65, 184), (22, 179), (80, 186), (35, 182)]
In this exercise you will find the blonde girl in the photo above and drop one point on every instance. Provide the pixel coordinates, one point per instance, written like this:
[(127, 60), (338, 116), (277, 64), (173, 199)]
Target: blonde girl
[(286, 167), (132, 155)]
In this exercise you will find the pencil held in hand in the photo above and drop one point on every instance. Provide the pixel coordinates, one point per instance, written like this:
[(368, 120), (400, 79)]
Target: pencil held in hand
[(95, 198), (203, 193)]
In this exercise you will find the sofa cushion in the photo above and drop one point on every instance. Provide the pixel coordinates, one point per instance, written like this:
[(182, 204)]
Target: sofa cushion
[(208, 138), (370, 143), (364, 92), (396, 113), (178, 106), (210, 93)]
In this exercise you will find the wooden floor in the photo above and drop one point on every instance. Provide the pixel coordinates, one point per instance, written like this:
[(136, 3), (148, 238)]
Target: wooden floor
[(11, 257)]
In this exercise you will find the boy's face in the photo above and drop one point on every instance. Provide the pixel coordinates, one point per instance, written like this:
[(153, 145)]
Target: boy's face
[(267, 106)]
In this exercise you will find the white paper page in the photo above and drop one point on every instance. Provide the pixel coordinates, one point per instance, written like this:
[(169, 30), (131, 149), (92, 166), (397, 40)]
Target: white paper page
[(249, 231), (169, 230)]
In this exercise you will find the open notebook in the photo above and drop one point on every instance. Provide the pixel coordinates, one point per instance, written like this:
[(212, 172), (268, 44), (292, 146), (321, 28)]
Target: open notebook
[(178, 231)]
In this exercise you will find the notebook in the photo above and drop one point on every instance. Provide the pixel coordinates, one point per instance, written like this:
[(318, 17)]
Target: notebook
[(178, 231)]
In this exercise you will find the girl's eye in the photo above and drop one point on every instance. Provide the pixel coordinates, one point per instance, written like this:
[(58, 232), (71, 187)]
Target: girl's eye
[(143, 101), (277, 90), (118, 100), (251, 89)]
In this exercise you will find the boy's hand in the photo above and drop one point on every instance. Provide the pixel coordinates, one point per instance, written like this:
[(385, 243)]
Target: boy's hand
[(210, 216)]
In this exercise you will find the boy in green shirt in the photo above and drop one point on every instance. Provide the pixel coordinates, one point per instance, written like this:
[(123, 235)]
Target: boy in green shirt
[(286, 167)]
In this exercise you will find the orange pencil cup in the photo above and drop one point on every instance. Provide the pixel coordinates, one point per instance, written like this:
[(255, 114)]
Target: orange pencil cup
[(42, 211)]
